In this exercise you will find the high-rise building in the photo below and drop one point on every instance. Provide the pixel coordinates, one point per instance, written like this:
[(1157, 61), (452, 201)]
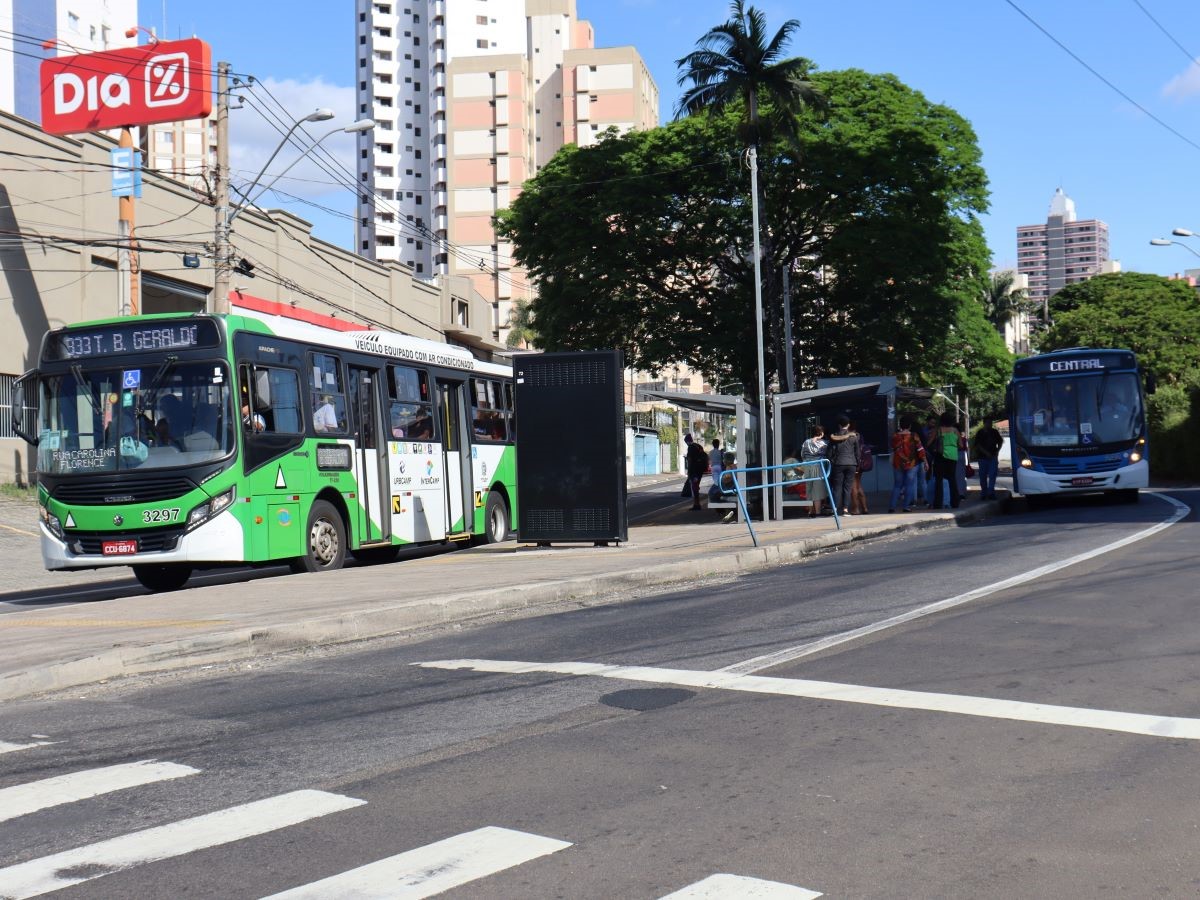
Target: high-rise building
[(1062, 251), (78, 26), (470, 98)]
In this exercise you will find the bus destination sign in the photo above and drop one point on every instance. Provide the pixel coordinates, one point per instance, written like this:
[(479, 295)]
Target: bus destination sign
[(119, 340), (1079, 363)]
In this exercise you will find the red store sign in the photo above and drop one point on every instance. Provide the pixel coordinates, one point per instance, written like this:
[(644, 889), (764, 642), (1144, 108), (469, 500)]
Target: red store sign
[(165, 82)]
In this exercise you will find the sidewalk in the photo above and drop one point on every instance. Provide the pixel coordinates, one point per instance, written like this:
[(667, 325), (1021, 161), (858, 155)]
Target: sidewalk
[(54, 648)]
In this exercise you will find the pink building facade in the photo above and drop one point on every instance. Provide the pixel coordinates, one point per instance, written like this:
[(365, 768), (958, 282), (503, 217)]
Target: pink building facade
[(471, 98), (1061, 251)]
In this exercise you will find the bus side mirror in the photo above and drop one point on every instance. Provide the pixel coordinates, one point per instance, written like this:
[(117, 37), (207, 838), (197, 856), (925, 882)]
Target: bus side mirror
[(24, 418), (1151, 383)]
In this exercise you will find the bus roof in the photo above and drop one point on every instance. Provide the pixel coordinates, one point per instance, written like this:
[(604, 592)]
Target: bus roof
[(312, 328)]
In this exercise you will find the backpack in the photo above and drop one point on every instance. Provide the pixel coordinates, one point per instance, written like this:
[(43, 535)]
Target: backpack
[(866, 456)]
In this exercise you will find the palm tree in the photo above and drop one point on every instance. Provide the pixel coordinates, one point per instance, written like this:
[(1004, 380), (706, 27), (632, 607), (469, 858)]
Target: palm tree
[(521, 333), (1001, 302), (736, 62)]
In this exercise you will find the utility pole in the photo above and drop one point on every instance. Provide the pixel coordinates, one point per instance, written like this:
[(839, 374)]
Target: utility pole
[(221, 252), (752, 157)]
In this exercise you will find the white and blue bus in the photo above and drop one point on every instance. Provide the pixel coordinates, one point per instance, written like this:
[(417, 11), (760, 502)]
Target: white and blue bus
[(1077, 424)]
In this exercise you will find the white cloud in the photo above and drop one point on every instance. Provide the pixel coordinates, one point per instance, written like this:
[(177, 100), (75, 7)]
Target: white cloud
[(1184, 85), (254, 136)]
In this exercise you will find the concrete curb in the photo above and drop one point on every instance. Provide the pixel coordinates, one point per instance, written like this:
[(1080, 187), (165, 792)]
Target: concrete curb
[(241, 644)]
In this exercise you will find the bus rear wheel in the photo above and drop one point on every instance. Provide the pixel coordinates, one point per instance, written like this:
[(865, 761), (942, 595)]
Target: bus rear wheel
[(162, 577), (325, 544), (495, 519)]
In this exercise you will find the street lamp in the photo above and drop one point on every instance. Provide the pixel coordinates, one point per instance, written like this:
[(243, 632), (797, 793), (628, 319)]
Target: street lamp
[(358, 127), (323, 114), (1163, 242)]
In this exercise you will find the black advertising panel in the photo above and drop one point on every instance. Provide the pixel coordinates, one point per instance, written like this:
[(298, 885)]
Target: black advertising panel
[(570, 447)]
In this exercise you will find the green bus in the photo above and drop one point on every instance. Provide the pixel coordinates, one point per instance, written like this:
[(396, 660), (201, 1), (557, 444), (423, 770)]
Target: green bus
[(179, 441)]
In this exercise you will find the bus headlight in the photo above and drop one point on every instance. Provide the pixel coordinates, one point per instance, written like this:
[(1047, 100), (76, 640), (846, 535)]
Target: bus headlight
[(1135, 456), (207, 510), (1026, 462), (51, 522)]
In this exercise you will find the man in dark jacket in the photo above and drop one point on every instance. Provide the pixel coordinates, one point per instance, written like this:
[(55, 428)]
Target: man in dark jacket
[(843, 461), (697, 464), (987, 444)]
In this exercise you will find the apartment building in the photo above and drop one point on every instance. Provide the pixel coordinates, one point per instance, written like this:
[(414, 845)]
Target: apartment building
[(1062, 251), (470, 99), (77, 26)]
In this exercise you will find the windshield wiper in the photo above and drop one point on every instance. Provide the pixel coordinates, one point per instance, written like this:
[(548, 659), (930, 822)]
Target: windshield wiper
[(160, 373), (92, 397)]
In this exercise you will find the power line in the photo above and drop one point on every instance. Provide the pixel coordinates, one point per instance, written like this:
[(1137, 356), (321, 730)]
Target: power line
[(1110, 85), (1191, 56)]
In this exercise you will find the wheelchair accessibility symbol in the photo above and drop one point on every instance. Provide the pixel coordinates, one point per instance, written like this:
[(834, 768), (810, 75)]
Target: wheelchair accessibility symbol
[(131, 379)]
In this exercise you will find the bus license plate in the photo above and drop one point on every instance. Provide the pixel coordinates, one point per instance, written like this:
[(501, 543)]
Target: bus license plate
[(1082, 480), (118, 548)]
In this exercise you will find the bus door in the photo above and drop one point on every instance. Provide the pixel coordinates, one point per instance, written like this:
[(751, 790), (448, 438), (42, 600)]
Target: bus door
[(373, 511), (452, 407)]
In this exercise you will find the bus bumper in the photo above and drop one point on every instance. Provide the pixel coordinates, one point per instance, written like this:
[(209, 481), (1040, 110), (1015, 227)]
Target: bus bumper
[(218, 540), (1031, 483)]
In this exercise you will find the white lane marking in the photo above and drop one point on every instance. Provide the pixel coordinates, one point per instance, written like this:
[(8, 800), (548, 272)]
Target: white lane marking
[(1016, 710), (27, 798), (738, 887), (6, 747), (433, 868), (52, 873), (779, 657)]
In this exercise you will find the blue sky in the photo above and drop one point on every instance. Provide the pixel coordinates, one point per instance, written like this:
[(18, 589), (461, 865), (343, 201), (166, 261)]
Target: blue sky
[(1042, 119)]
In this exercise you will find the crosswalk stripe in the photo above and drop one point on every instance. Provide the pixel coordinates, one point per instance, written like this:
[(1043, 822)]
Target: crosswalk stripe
[(433, 868), (52, 873), (739, 887), (27, 798), (6, 747)]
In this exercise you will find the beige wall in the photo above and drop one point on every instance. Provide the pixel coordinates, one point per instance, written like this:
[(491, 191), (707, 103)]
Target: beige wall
[(57, 214)]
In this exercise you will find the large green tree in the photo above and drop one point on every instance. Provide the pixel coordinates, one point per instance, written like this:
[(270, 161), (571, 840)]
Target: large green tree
[(643, 240), (1157, 318)]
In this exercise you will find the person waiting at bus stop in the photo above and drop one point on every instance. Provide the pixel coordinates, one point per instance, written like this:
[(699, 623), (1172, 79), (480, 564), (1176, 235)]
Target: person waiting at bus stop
[(697, 464), (946, 464), (986, 447), (843, 458)]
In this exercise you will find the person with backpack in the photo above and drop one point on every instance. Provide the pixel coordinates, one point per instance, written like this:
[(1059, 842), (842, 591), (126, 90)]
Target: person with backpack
[(864, 463), (697, 465), (843, 459), (908, 463)]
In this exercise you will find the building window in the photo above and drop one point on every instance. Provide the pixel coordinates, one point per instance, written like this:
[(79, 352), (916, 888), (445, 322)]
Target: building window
[(481, 20), (481, 44)]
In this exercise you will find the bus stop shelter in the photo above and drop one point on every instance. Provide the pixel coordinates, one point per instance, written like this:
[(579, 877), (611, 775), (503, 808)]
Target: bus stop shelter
[(793, 415), (745, 421)]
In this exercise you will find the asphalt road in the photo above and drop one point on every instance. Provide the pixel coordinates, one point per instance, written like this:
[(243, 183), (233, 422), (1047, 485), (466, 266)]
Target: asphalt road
[(930, 759)]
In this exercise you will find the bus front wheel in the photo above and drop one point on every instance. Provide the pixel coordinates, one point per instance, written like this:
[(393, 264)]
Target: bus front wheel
[(163, 577), (325, 545), (495, 519)]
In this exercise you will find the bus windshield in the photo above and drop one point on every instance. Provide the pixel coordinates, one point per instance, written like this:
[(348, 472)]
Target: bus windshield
[(116, 419), (1086, 411)]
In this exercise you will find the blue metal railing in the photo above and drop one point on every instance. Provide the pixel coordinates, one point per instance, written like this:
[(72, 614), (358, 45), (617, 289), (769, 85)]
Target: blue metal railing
[(792, 472)]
